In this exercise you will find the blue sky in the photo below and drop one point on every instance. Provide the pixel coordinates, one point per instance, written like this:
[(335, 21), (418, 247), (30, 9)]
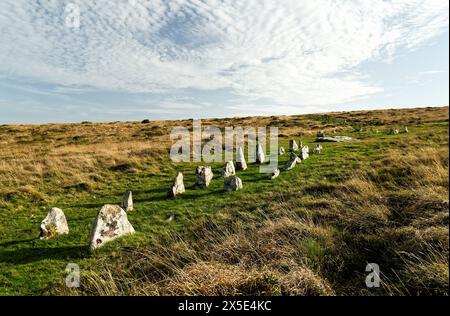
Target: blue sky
[(136, 59)]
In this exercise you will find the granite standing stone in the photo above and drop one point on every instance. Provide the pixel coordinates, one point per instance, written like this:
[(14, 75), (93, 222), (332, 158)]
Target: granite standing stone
[(111, 223), (54, 223)]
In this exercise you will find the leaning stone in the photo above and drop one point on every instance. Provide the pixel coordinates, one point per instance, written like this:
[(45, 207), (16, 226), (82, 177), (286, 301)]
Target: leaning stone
[(275, 173), (291, 163), (241, 164), (281, 151), (259, 154), (127, 202), (293, 147), (111, 223), (232, 183), (54, 223), (229, 170), (204, 176), (178, 186)]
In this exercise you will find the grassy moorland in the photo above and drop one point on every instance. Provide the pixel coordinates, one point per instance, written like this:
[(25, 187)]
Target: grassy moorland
[(311, 231)]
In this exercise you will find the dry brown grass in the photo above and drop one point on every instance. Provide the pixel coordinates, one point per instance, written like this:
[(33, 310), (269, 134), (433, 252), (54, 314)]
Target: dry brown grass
[(72, 154)]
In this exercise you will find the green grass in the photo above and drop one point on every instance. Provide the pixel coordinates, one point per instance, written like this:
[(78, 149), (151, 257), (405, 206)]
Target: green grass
[(29, 266)]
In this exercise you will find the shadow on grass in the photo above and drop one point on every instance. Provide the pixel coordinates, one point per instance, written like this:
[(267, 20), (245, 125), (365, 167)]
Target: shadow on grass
[(28, 255), (16, 242)]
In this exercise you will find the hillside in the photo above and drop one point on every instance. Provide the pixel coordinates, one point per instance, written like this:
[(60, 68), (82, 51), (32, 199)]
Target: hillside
[(311, 231)]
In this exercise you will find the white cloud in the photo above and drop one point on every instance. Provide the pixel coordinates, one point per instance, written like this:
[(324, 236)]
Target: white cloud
[(292, 52)]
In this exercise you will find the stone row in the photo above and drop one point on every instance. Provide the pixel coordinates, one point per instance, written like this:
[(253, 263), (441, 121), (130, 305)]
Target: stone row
[(112, 220)]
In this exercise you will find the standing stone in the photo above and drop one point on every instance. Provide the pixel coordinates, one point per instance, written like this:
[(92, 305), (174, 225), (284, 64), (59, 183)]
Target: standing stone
[(317, 149), (300, 143), (127, 202), (259, 154), (320, 134), (241, 164), (304, 154), (281, 151), (204, 176), (54, 223), (406, 129), (293, 147), (291, 163), (229, 170), (275, 173), (178, 186), (111, 223), (232, 183)]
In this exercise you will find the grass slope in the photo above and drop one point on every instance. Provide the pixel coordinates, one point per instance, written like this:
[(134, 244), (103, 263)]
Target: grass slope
[(382, 199)]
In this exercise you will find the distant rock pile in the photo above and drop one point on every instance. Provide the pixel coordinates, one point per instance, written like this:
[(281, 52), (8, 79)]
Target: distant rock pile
[(393, 131), (334, 139)]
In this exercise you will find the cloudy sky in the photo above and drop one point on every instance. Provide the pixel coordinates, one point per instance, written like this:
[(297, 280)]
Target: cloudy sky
[(135, 59)]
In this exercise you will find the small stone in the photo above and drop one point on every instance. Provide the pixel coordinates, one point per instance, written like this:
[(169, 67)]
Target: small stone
[(111, 223), (259, 154), (170, 217), (241, 164), (393, 131), (127, 202), (281, 151), (228, 170), (54, 223), (406, 129), (275, 173), (232, 183), (317, 149), (177, 187), (293, 147), (204, 176)]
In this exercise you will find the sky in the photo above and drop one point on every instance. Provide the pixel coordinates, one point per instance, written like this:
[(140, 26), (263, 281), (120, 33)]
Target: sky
[(77, 60)]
